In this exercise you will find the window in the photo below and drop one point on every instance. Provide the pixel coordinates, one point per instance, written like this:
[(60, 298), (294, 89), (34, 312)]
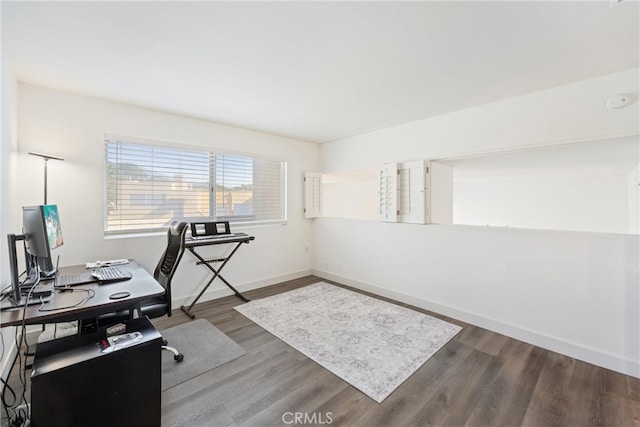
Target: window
[(312, 195), (147, 186), (391, 192), (581, 186), (403, 194)]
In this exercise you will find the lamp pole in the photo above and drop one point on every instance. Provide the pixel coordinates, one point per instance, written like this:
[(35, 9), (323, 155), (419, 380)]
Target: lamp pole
[(46, 158)]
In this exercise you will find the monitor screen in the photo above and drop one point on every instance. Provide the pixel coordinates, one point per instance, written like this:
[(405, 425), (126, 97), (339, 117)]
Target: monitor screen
[(35, 232), (42, 233)]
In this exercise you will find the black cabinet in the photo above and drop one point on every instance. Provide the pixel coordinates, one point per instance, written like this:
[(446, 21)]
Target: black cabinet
[(75, 383)]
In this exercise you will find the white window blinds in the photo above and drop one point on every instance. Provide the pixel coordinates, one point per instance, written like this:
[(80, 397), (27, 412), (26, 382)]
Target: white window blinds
[(147, 186), (312, 195), (403, 194), (388, 192), (413, 183)]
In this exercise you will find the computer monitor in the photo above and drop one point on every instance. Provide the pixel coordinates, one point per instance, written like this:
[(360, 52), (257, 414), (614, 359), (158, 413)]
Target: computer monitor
[(42, 233)]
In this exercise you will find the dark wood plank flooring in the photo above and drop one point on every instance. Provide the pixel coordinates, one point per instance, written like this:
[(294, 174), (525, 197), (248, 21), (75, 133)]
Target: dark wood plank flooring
[(479, 378)]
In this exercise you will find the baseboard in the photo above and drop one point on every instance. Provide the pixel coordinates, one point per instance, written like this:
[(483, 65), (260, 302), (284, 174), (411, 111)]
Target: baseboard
[(221, 291), (578, 351)]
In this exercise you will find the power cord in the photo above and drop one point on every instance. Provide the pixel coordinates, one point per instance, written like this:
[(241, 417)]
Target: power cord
[(17, 411), (21, 412), (90, 294), (21, 418), (7, 388)]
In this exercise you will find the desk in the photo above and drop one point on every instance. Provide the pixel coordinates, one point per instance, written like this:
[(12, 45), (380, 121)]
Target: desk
[(192, 243), (142, 285), (74, 383)]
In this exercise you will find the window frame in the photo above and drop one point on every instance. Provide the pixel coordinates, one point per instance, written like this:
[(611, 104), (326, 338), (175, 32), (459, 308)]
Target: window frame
[(238, 220)]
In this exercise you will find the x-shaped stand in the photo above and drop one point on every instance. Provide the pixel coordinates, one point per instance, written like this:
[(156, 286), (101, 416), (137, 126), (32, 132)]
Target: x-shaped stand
[(216, 271)]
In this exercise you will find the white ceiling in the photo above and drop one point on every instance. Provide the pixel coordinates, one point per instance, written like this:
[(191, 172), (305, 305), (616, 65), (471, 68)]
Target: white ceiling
[(315, 71)]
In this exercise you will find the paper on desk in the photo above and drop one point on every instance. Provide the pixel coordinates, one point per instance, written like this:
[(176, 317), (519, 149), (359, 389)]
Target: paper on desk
[(97, 264)]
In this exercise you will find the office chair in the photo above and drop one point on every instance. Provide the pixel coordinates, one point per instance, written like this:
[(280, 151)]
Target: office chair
[(163, 273)]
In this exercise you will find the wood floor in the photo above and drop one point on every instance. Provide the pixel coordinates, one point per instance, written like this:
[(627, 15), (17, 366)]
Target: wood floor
[(479, 378)]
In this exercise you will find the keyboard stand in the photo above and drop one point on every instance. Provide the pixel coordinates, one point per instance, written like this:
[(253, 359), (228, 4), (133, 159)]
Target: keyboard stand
[(192, 244)]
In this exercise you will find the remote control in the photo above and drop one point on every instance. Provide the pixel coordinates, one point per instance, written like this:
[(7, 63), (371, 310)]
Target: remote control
[(118, 342), (116, 329)]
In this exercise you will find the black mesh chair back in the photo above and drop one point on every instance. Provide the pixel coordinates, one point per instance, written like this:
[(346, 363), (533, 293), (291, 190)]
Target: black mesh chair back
[(170, 259), (166, 268)]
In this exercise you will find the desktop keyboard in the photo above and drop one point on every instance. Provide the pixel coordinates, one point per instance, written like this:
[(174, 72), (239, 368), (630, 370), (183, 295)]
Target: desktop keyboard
[(110, 274), (74, 279)]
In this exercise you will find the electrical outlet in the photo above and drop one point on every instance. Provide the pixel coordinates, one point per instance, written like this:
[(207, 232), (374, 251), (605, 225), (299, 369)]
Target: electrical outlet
[(21, 417)]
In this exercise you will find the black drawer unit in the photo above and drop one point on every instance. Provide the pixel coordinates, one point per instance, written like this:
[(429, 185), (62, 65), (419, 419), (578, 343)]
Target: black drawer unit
[(75, 383)]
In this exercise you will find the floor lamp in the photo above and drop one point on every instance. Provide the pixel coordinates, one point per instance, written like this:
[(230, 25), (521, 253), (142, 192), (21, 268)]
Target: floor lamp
[(68, 328), (46, 158)]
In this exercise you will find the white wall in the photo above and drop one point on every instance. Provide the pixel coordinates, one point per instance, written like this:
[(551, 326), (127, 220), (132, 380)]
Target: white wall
[(571, 292), (633, 185), (7, 192), (73, 127), (565, 114)]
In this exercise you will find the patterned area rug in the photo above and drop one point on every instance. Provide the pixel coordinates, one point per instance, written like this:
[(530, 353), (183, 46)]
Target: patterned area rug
[(371, 344)]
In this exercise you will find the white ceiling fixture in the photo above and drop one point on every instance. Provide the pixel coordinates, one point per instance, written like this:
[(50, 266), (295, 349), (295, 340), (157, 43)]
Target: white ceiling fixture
[(315, 71)]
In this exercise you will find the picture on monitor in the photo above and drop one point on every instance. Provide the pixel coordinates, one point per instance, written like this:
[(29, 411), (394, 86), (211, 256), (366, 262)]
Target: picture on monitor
[(54, 229)]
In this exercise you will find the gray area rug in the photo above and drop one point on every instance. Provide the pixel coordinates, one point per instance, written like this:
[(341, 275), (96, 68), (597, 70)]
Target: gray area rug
[(371, 344), (204, 347)]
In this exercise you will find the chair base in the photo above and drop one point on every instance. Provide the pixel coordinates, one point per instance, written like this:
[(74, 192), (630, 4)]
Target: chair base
[(177, 356)]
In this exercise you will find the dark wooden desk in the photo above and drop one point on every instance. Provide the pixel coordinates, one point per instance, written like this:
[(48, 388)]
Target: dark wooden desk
[(192, 243), (142, 285)]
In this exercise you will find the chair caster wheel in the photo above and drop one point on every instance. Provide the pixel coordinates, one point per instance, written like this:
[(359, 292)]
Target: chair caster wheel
[(178, 357)]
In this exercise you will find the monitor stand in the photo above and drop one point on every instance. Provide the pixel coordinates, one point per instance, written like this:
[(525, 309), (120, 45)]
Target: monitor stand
[(38, 295)]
